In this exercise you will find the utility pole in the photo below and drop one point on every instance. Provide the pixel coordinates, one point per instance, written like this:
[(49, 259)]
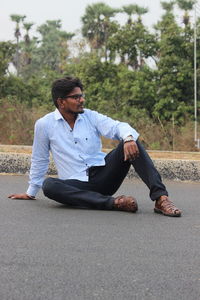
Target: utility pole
[(197, 141)]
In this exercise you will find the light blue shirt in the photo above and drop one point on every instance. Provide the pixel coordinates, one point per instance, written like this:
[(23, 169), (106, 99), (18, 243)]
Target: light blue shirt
[(73, 150)]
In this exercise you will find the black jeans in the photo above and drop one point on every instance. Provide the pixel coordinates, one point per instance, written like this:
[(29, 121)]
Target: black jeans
[(104, 181)]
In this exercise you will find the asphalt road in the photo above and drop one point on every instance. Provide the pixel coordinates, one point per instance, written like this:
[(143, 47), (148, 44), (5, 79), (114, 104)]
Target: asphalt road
[(50, 252)]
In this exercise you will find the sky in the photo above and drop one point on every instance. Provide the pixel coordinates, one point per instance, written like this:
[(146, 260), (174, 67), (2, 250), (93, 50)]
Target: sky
[(69, 12)]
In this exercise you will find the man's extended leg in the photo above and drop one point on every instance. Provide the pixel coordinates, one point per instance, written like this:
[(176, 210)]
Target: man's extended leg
[(75, 193), (79, 194)]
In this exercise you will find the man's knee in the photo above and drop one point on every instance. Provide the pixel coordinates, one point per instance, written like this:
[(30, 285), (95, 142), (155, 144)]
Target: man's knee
[(47, 186)]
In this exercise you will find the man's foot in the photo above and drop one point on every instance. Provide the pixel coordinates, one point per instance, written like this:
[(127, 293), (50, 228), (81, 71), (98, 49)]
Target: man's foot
[(164, 206), (125, 203)]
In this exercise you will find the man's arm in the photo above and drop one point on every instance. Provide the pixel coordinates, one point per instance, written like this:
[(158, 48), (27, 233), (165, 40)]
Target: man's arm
[(39, 162), (118, 130), (112, 129)]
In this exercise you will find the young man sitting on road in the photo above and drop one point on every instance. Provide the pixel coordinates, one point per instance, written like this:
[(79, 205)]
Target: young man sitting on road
[(87, 177)]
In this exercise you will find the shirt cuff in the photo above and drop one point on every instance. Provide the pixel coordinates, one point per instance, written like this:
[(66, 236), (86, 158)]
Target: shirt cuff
[(33, 190)]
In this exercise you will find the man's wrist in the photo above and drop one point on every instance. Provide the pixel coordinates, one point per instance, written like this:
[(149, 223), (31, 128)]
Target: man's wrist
[(31, 197), (129, 138), (32, 190)]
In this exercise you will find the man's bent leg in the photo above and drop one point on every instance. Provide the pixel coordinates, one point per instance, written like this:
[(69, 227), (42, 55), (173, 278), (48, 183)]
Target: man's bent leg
[(148, 173), (107, 179), (145, 168), (75, 193), (110, 176)]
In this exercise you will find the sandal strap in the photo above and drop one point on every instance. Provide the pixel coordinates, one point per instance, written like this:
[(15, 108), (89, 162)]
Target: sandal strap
[(168, 206)]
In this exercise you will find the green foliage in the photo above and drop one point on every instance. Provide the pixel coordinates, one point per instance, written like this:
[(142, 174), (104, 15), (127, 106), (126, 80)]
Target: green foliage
[(6, 51), (129, 72), (175, 71), (133, 44)]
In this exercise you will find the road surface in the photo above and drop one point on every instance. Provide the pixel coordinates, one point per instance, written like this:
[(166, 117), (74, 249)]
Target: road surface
[(50, 252)]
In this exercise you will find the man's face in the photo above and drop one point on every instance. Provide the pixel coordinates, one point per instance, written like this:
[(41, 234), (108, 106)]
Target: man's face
[(73, 103)]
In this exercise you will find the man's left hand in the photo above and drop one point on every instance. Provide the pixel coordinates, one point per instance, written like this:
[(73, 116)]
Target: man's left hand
[(131, 150)]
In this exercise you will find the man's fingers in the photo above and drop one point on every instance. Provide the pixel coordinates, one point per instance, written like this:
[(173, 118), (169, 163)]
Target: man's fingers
[(11, 196), (131, 151)]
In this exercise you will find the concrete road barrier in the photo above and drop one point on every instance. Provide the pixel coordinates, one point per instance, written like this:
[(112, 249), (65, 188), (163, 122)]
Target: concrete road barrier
[(173, 169)]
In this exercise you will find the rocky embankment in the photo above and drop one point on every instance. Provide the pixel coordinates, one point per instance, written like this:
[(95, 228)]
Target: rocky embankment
[(169, 168)]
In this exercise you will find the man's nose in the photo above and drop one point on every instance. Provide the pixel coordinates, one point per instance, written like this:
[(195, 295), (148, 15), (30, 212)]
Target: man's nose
[(82, 99)]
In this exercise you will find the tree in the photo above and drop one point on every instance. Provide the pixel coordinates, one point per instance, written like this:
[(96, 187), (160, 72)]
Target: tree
[(27, 27), (133, 9), (97, 25), (134, 44), (18, 19), (6, 52), (186, 5), (26, 49), (51, 51), (175, 72), (168, 6)]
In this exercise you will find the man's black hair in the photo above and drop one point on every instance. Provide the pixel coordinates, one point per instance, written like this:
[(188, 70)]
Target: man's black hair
[(63, 86)]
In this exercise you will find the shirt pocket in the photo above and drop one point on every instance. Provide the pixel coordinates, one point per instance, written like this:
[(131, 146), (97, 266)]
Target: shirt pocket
[(89, 143)]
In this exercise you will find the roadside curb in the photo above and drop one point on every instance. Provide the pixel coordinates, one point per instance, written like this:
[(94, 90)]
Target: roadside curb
[(173, 169)]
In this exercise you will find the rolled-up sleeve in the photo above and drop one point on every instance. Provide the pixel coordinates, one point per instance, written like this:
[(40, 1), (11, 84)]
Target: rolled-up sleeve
[(39, 159)]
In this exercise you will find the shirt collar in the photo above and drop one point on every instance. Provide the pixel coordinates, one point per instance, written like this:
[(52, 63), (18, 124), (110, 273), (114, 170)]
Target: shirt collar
[(58, 115)]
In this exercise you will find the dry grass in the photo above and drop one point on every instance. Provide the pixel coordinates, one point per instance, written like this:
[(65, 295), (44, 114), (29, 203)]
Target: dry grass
[(17, 123)]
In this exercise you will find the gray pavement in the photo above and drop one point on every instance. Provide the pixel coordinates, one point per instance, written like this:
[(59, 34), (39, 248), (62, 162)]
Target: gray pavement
[(48, 251)]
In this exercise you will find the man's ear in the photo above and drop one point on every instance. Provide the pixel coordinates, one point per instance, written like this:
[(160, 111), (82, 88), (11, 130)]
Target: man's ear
[(60, 102)]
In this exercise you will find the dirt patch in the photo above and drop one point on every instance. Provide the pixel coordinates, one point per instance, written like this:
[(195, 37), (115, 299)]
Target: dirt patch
[(153, 154), (174, 155), (15, 149)]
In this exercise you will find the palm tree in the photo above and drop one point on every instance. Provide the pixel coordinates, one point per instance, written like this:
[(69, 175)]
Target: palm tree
[(168, 17), (139, 10), (96, 22), (186, 5), (167, 6), (27, 27), (17, 19), (134, 9), (26, 55)]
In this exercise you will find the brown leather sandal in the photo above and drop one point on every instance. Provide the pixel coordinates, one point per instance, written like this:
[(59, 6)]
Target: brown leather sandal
[(125, 203), (166, 207)]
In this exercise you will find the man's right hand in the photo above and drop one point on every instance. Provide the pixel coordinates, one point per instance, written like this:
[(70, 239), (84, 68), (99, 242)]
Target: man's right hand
[(21, 197)]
